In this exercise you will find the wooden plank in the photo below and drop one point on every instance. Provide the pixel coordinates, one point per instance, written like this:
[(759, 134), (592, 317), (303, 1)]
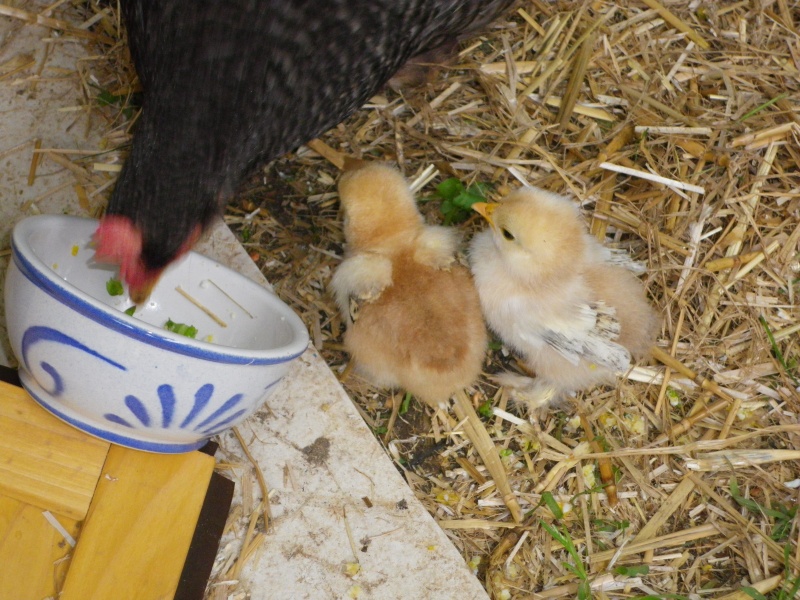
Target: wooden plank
[(31, 551), (138, 529), (44, 461), (205, 543)]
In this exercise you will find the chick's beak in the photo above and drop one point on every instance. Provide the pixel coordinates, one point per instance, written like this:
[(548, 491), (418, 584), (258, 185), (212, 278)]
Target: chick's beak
[(485, 209)]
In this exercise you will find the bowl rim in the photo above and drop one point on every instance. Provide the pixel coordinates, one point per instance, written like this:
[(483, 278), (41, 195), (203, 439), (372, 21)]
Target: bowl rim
[(46, 279)]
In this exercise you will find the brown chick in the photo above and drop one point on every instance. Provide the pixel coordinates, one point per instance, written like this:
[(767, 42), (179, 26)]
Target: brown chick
[(569, 306), (413, 315)]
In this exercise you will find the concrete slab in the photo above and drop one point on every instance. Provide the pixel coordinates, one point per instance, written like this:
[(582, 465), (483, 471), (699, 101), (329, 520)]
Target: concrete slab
[(336, 498)]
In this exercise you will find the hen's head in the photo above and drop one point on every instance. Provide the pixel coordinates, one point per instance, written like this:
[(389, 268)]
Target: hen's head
[(119, 241)]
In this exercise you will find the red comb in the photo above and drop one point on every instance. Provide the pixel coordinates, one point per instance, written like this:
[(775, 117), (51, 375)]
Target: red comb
[(119, 241), (116, 240)]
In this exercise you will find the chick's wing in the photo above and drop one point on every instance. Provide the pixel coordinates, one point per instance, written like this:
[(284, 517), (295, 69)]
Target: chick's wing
[(581, 332), (360, 278), (436, 247)]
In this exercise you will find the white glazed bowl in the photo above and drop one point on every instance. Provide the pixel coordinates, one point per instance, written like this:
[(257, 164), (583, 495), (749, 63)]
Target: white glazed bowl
[(125, 378)]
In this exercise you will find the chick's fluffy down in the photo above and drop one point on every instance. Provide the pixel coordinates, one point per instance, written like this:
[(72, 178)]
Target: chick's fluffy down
[(424, 333), (561, 300), (418, 323)]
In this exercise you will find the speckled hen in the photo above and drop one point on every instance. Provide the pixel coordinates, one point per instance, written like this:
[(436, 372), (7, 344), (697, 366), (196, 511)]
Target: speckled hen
[(231, 85)]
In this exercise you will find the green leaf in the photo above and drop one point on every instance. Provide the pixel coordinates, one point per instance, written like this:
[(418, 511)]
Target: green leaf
[(130, 311), (114, 287), (457, 200), (465, 200), (554, 533), (405, 404), (550, 502), (479, 190), (795, 587), (776, 351), (506, 452), (761, 107), (753, 593), (450, 188), (180, 328), (106, 98), (632, 571), (611, 526)]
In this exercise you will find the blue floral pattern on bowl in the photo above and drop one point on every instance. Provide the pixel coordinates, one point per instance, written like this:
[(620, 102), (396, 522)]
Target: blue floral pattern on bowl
[(212, 424), (139, 416), (36, 334)]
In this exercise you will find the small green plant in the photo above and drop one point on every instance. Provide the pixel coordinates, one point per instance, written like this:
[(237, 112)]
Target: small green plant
[(457, 200), (789, 587), (782, 515), (761, 107), (776, 351), (127, 102), (576, 566), (610, 526)]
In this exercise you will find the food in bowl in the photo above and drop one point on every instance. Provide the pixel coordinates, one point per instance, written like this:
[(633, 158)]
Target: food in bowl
[(125, 378)]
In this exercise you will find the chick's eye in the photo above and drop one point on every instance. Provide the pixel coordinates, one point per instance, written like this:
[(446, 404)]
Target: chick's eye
[(507, 234)]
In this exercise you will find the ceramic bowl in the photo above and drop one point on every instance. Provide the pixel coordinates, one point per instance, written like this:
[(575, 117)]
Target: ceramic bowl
[(127, 379)]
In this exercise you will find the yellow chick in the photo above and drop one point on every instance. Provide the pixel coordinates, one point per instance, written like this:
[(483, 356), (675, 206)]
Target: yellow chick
[(413, 315), (570, 307)]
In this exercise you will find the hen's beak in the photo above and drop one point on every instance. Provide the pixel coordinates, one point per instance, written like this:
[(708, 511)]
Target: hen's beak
[(485, 209)]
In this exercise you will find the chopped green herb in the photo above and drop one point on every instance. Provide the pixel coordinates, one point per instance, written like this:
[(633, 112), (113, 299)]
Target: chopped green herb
[(485, 410), (181, 328), (405, 404), (114, 287), (130, 311)]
